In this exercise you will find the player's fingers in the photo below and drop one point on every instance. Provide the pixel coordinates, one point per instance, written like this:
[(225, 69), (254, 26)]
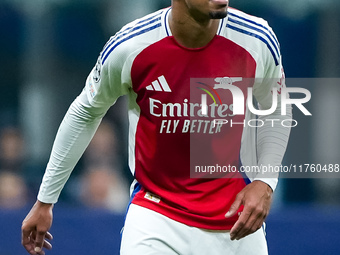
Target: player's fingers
[(256, 226), (244, 229), (47, 245), (30, 248), (25, 236), (39, 240), (27, 240), (252, 224), (48, 236), (239, 225), (235, 206)]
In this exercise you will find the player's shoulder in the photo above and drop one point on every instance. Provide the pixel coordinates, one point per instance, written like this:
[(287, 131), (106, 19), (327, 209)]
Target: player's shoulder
[(135, 34), (250, 25), (147, 19), (235, 14), (252, 32)]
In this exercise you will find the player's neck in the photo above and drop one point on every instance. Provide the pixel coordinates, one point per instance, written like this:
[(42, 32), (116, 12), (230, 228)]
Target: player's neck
[(189, 32)]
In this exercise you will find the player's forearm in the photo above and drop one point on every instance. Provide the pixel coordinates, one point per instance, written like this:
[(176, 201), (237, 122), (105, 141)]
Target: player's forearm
[(272, 140), (74, 134)]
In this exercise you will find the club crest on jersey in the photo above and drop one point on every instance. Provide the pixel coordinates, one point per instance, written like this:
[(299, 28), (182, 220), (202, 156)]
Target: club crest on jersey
[(225, 82), (97, 71)]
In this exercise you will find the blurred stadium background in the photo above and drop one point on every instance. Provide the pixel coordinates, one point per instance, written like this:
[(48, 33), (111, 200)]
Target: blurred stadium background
[(47, 49)]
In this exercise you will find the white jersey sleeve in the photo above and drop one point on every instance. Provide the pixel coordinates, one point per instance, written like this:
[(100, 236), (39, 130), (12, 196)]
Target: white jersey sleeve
[(266, 145), (74, 134), (103, 87), (272, 137)]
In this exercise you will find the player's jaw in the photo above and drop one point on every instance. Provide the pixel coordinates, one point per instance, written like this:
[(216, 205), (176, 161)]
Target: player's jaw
[(218, 9), (202, 10)]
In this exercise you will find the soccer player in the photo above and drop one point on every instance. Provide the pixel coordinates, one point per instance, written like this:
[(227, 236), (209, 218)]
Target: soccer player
[(158, 61)]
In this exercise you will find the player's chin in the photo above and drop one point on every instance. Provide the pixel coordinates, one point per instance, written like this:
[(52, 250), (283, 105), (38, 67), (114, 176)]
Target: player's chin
[(218, 14)]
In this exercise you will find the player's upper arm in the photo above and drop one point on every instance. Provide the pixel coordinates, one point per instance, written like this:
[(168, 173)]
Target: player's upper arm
[(272, 73), (104, 84)]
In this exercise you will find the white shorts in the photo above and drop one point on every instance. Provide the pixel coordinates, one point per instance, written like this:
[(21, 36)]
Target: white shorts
[(149, 233)]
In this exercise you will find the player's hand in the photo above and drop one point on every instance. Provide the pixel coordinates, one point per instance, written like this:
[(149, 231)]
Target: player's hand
[(34, 230), (256, 198)]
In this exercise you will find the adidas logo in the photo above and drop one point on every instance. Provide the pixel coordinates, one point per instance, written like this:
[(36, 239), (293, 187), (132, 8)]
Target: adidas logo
[(159, 85)]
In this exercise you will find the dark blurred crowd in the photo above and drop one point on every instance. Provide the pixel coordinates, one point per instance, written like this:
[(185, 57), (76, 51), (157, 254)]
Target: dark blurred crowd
[(98, 181)]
